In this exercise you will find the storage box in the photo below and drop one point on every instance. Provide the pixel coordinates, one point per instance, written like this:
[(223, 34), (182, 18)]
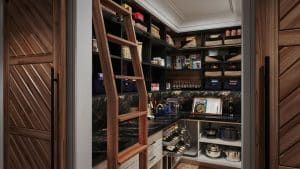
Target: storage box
[(232, 73), (235, 58), (154, 87), (128, 85), (138, 16), (232, 41), (232, 84), (214, 40), (125, 52), (155, 31), (213, 84), (211, 59), (191, 42), (213, 66), (169, 40), (213, 43), (141, 27), (213, 74)]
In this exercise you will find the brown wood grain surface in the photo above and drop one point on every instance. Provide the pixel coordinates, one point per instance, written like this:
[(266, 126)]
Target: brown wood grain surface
[(286, 6), (35, 56), (288, 114), (289, 37), (288, 56), (289, 14)]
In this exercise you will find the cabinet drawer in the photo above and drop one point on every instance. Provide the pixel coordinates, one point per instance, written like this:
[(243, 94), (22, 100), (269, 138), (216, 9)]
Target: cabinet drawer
[(132, 163), (155, 146)]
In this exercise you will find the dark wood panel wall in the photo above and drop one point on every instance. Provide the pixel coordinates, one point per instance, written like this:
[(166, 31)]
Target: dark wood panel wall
[(289, 83), (277, 29), (35, 84)]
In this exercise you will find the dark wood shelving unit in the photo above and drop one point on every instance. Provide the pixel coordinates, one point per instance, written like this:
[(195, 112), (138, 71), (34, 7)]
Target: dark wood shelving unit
[(208, 47), (155, 47)]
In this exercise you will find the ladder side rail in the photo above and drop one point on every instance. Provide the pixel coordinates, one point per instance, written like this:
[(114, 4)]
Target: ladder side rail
[(110, 86), (142, 92)]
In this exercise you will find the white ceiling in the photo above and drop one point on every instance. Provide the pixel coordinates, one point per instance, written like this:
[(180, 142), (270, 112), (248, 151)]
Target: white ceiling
[(191, 15)]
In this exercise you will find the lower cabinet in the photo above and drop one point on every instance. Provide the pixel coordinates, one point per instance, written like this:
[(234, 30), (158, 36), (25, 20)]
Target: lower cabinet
[(132, 163), (216, 143), (155, 152)]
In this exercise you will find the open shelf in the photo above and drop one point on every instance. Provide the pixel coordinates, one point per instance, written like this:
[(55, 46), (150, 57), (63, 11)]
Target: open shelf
[(219, 141), (207, 47), (112, 56), (219, 161), (154, 47)]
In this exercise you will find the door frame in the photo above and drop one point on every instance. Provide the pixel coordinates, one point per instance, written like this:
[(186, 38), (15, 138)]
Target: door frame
[(79, 81), (248, 84), (1, 82)]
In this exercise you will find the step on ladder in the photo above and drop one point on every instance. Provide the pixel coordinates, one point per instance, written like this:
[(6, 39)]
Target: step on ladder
[(114, 157)]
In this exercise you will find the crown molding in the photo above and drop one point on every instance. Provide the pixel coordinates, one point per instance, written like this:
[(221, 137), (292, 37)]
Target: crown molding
[(159, 14), (206, 26), (176, 10), (181, 26)]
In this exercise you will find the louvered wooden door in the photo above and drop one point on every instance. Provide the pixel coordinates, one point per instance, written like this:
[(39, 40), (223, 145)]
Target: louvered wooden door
[(286, 123), (34, 84)]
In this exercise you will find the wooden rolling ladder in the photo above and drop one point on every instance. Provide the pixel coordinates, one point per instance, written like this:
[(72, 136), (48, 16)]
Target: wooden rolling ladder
[(114, 158)]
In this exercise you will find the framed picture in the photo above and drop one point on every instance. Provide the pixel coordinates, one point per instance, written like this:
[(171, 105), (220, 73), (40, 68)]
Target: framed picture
[(207, 105)]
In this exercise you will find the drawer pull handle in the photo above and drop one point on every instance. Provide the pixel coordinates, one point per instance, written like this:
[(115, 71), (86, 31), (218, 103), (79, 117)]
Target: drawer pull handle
[(152, 158)]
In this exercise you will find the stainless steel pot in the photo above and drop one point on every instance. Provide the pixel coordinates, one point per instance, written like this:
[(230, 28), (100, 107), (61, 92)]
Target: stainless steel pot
[(213, 151), (210, 133), (229, 133), (233, 155)]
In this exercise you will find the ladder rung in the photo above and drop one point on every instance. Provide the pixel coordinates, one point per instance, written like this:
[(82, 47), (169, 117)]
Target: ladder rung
[(115, 7), (119, 40), (130, 152), (132, 115), (108, 11), (128, 77)]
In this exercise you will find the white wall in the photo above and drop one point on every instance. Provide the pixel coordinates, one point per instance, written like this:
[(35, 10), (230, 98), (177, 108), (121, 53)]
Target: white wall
[(80, 84), (1, 84)]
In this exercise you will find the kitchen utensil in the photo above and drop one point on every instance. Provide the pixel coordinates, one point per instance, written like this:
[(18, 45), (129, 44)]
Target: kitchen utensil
[(228, 133), (210, 132), (213, 151), (233, 155), (174, 105), (186, 136)]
